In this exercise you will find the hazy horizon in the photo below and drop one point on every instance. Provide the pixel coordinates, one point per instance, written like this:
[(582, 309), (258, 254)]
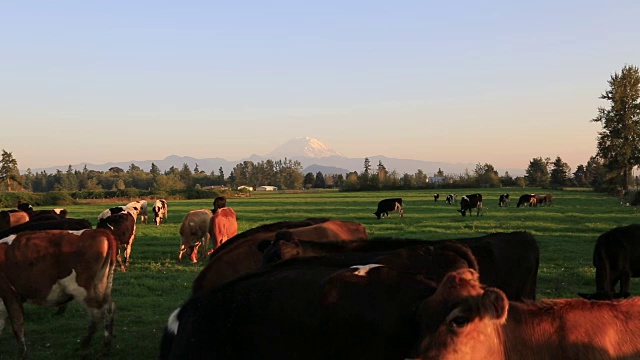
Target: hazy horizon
[(492, 82)]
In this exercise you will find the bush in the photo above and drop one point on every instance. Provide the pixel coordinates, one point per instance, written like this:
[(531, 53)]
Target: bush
[(11, 199), (56, 198)]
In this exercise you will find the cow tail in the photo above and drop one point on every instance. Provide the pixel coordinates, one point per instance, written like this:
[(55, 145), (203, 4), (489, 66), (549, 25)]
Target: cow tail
[(109, 265)]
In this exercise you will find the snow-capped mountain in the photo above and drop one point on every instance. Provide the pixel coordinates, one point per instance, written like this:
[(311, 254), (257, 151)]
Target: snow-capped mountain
[(303, 147)]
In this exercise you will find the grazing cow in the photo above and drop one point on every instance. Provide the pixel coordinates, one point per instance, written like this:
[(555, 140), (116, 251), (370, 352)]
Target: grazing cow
[(451, 198), (123, 228), (309, 308), (508, 261), (616, 257), (142, 209), (526, 199), (53, 267), (160, 211), (61, 224), (386, 205), (26, 207), (240, 254), (133, 210), (218, 203), (9, 218), (436, 197), (464, 320), (222, 227), (469, 202), (504, 200), (543, 199), (194, 232)]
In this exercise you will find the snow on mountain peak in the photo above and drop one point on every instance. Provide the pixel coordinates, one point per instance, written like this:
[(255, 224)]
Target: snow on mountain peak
[(303, 146)]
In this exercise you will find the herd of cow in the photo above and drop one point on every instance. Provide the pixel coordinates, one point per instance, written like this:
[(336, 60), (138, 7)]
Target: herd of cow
[(321, 288)]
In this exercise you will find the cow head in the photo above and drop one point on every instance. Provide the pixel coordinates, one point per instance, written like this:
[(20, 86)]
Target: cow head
[(465, 205)]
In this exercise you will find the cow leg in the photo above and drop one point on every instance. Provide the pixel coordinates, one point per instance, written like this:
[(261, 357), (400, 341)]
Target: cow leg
[(119, 258), (13, 308), (109, 316), (625, 281), (127, 255), (194, 253), (182, 250), (205, 245)]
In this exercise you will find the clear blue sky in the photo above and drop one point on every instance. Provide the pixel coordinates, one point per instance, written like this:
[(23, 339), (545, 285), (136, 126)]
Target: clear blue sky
[(462, 81)]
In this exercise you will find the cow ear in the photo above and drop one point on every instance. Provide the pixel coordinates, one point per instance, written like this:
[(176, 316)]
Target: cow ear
[(494, 304), (263, 245)]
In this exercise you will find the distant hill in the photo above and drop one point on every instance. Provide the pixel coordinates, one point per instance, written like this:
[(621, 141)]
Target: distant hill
[(313, 155)]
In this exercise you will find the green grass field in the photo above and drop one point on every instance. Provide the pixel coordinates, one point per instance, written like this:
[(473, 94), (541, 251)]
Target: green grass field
[(156, 285)]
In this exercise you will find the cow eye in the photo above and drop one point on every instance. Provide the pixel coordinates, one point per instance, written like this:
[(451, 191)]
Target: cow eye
[(458, 322)]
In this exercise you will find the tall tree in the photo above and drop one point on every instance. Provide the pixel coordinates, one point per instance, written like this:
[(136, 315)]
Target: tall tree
[(620, 136), (308, 181), (537, 174), (319, 181), (560, 173), (9, 172)]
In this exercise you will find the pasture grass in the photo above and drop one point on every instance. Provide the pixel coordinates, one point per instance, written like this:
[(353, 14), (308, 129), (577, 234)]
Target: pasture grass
[(156, 284)]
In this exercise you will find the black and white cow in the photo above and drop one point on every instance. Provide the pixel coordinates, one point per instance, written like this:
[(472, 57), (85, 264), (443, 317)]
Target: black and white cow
[(504, 200), (386, 205), (133, 210), (123, 227), (160, 211), (451, 198), (436, 197), (468, 202), (527, 199), (142, 209)]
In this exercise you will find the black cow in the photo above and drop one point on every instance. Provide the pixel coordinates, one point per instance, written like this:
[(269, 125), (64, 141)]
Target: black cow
[(218, 203), (123, 227), (450, 199), (616, 257), (527, 199), (61, 224), (508, 261), (468, 202), (311, 308), (24, 206), (436, 197), (386, 205), (504, 200)]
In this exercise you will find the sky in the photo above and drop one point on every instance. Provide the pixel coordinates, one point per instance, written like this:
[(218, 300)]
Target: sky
[(498, 82)]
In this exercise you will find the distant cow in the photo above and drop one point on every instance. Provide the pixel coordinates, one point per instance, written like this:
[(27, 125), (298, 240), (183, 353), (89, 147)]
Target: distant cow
[(436, 197), (526, 199), (61, 224), (386, 205), (504, 200), (469, 202), (616, 257), (160, 211), (53, 267), (9, 218), (508, 261), (465, 321), (541, 200), (218, 203), (194, 232), (24, 206), (142, 209), (450, 199), (222, 227), (123, 228), (240, 254), (310, 308)]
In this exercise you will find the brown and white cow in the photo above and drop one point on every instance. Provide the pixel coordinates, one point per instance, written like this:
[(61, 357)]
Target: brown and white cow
[(123, 227), (160, 211), (142, 209), (194, 232), (9, 218), (53, 267), (222, 227), (464, 320)]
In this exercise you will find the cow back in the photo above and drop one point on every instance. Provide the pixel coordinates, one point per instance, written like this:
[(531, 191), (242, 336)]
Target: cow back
[(223, 226)]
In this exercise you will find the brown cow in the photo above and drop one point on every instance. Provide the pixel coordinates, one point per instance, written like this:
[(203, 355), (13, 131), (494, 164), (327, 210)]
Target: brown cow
[(9, 218), (194, 232), (463, 320), (222, 226), (52, 267), (240, 255)]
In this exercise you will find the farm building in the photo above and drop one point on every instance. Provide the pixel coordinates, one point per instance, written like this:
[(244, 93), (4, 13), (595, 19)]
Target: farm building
[(267, 188)]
